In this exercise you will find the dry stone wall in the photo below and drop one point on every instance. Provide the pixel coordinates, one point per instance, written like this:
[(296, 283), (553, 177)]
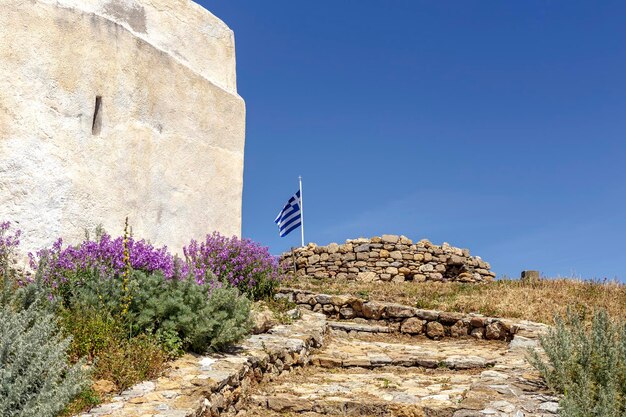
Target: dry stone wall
[(379, 317), (388, 258)]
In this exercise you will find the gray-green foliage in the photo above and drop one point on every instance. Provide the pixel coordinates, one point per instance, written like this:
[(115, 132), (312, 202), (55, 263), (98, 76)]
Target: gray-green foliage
[(185, 313), (35, 378), (588, 366)]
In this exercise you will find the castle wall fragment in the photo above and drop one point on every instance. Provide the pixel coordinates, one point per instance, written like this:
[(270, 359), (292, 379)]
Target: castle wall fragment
[(115, 108)]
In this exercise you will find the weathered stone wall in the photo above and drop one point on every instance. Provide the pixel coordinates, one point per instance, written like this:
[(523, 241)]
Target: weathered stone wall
[(115, 108), (388, 258), (390, 317)]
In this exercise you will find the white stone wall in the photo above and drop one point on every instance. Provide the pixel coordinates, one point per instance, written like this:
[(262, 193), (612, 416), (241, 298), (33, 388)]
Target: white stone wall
[(168, 151)]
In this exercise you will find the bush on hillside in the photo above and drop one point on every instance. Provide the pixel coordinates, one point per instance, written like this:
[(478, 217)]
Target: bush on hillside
[(183, 313), (588, 366), (68, 268), (35, 378), (241, 263)]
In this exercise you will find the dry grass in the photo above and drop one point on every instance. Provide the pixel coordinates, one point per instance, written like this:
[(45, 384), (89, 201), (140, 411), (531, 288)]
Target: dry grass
[(539, 301)]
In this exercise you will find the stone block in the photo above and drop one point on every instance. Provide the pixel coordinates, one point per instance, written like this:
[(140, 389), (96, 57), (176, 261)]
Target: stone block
[(373, 310), (362, 248), (450, 318), (435, 330), (367, 276), (495, 331), (429, 315), (346, 248), (435, 276), (347, 313), (530, 276), (460, 329), (412, 325), (398, 278), (399, 311), (404, 271), (362, 256), (332, 248), (478, 321), (390, 238), (405, 240), (478, 333), (395, 254)]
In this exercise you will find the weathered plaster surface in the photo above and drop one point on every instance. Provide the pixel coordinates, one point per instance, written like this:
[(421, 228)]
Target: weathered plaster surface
[(169, 153)]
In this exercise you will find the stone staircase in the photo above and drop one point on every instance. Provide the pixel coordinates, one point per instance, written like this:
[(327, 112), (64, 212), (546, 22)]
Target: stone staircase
[(317, 367), (365, 370)]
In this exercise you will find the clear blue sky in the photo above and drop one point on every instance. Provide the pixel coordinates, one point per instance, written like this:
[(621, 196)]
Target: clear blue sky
[(499, 126)]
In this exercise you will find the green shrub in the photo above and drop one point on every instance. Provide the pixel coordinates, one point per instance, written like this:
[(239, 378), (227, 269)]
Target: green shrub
[(183, 314), (129, 361), (105, 340), (35, 378), (588, 366), (87, 399)]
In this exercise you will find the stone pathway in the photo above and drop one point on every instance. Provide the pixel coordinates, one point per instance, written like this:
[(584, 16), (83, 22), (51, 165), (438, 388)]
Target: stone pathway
[(315, 368), (368, 374)]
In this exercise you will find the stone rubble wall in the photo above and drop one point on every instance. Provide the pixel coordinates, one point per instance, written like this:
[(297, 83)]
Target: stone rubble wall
[(388, 258), (381, 317), (213, 385)]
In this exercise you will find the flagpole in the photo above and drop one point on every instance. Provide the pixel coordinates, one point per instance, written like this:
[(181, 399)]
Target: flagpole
[(301, 211)]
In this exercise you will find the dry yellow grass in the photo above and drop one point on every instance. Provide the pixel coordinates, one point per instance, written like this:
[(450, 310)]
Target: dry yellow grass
[(539, 301)]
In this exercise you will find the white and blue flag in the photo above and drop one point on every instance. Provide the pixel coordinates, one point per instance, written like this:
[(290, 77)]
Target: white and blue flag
[(290, 217)]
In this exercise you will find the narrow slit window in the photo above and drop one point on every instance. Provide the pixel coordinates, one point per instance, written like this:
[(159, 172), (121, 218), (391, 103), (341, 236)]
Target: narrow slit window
[(96, 124)]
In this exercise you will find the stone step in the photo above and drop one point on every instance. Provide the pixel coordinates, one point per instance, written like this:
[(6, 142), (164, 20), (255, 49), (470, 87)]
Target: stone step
[(350, 326), (425, 353), (391, 375), (353, 392)]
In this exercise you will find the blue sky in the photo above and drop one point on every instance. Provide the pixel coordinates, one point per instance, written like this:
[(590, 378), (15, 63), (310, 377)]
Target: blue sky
[(498, 126)]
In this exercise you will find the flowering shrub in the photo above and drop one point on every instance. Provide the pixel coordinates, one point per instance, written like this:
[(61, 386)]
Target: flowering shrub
[(241, 263), (104, 256), (8, 242)]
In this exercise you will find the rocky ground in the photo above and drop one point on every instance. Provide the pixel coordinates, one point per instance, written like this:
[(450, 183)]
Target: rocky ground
[(361, 373)]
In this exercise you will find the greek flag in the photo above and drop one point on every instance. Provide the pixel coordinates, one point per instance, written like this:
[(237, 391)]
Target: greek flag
[(290, 216)]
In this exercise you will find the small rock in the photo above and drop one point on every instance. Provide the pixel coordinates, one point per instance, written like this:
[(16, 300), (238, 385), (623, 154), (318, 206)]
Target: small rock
[(551, 407), (435, 330), (104, 386), (494, 331), (412, 325), (390, 238), (262, 320), (399, 311), (478, 333), (347, 313)]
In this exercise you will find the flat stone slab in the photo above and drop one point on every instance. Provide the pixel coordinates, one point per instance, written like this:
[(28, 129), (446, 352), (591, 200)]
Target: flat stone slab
[(348, 326), (362, 392), (425, 353)]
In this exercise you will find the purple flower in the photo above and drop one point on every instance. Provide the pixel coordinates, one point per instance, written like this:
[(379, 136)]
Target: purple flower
[(238, 262)]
